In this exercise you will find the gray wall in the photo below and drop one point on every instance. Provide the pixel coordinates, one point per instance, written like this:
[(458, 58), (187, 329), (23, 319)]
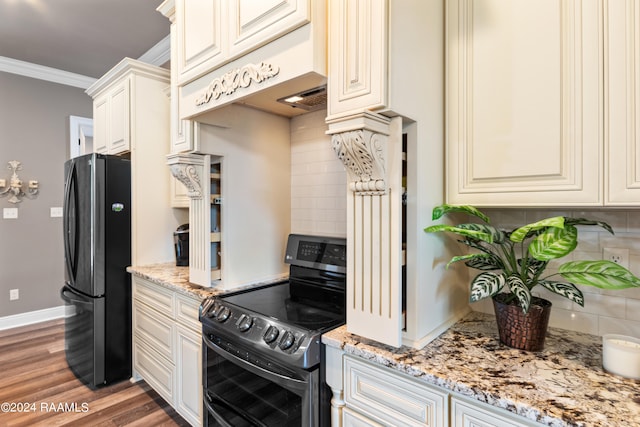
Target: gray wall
[(34, 129)]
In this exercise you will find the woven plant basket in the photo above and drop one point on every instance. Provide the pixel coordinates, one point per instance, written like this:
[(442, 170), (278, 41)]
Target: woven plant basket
[(520, 330)]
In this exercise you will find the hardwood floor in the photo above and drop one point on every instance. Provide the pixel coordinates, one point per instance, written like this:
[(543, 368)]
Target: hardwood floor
[(37, 388)]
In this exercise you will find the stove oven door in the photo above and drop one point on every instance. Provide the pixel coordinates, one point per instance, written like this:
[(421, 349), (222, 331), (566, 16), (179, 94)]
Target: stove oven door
[(243, 389)]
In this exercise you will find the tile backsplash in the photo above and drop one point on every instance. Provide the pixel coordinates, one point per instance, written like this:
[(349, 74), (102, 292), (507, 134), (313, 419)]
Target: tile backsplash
[(604, 311), (318, 179)]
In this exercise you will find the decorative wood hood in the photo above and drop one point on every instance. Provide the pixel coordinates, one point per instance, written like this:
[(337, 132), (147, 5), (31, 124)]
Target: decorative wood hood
[(254, 63)]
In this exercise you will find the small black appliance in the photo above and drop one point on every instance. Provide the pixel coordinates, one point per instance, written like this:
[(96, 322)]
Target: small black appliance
[(181, 244)]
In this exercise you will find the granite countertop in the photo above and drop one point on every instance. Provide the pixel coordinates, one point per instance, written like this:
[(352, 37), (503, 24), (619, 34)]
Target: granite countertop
[(172, 277), (177, 279), (563, 385)]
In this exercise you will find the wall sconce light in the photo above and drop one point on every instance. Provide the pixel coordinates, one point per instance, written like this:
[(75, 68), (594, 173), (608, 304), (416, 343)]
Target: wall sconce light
[(15, 185)]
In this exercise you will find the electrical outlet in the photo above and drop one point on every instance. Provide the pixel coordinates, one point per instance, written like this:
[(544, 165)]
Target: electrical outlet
[(10, 213), (14, 294), (56, 212), (617, 255)]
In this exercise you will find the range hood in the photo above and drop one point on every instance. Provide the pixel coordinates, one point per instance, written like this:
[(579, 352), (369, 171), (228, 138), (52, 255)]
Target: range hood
[(291, 98)]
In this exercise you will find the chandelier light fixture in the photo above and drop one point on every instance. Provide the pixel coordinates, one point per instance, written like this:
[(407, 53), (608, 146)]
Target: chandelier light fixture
[(15, 188)]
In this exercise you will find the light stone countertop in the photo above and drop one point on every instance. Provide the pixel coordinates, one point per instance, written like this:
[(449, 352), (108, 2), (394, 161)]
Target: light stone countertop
[(172, 277), (563, 385), (176, 279)]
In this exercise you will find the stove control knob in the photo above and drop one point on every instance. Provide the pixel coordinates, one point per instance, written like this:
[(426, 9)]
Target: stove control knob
[(270, 335), (223, 315), (244, 323), (214, 311), (287, 340)]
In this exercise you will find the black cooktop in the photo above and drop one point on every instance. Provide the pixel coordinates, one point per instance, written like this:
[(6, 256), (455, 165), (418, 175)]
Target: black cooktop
[(316, 313)]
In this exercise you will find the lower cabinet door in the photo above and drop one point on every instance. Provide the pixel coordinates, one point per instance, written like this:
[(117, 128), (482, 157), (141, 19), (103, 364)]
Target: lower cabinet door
[(189, 376), (154, 369), (465, 413), (353, 419), (392, 398)]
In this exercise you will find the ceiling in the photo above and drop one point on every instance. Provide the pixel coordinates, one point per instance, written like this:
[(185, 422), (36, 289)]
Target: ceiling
[(86, 37)]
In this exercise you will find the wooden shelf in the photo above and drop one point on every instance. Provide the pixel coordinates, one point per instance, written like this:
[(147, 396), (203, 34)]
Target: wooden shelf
[(215, 237), (215, 274), (215, 176)]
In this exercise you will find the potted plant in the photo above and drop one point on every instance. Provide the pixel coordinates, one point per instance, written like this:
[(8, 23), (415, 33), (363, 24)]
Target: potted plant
[(512, 263)]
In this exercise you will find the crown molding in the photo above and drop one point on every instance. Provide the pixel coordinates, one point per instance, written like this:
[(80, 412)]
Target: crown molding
[(35, 71), (159, 54)]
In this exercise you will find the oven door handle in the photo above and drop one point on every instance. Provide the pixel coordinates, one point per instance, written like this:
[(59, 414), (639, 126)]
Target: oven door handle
[(212, 399), (284, 381)]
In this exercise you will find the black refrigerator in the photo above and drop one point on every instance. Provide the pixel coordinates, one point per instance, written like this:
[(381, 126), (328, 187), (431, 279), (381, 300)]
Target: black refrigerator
[(97, 251)]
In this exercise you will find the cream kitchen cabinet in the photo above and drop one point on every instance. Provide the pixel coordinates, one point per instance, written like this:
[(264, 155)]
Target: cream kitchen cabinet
[(131, 104), (211, 33), (167, 346), (622, 103), (359, 71), (467, 413), (183, 132), (111, 115), (540, 111), (366, 394), (373, 62)]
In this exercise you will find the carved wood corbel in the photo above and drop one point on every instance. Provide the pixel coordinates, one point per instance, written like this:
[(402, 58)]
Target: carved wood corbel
[(361, 148), (185, 169)]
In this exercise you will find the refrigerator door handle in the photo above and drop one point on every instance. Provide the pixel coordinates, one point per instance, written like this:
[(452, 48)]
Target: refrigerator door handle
[(66, 221), (72, 297)]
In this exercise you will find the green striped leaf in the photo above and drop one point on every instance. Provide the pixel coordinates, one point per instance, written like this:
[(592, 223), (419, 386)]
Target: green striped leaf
[(584, 221), (485, 285), (465, 258), (485, 262), (467, 232), (554, 243), (567, 290), (520, 290), (522, 233), (497, 236), (439, 211), (601, 274)]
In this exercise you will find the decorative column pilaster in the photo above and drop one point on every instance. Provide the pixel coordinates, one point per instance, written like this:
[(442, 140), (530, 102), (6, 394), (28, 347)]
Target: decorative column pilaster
[(193, 170), (370, 147)]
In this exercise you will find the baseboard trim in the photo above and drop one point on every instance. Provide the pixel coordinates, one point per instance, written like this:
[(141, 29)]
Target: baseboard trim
[(31, 317)]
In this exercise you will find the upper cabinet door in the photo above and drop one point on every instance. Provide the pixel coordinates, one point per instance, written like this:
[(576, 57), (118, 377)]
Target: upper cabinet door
[(255, 22), (358, 65), (119, 131), (622, 96), (524, 102), (199, 38)]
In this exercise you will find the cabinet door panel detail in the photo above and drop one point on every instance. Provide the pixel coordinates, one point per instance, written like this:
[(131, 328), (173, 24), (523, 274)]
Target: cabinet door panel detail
[(199, 36), (119, 119), (390, 397), (188, 361), (360, 38), (254, 22), (101, 125), (622, 121), (524, 92)]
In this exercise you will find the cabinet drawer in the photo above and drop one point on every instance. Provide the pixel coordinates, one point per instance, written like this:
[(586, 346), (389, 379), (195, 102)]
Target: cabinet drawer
[(391, 397), (153, 295), (154, 328), (465, 413), (159, 373), (353, 419), (187, 312)]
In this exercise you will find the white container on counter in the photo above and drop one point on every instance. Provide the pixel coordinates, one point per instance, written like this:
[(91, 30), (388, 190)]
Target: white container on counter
[(621, 355)]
